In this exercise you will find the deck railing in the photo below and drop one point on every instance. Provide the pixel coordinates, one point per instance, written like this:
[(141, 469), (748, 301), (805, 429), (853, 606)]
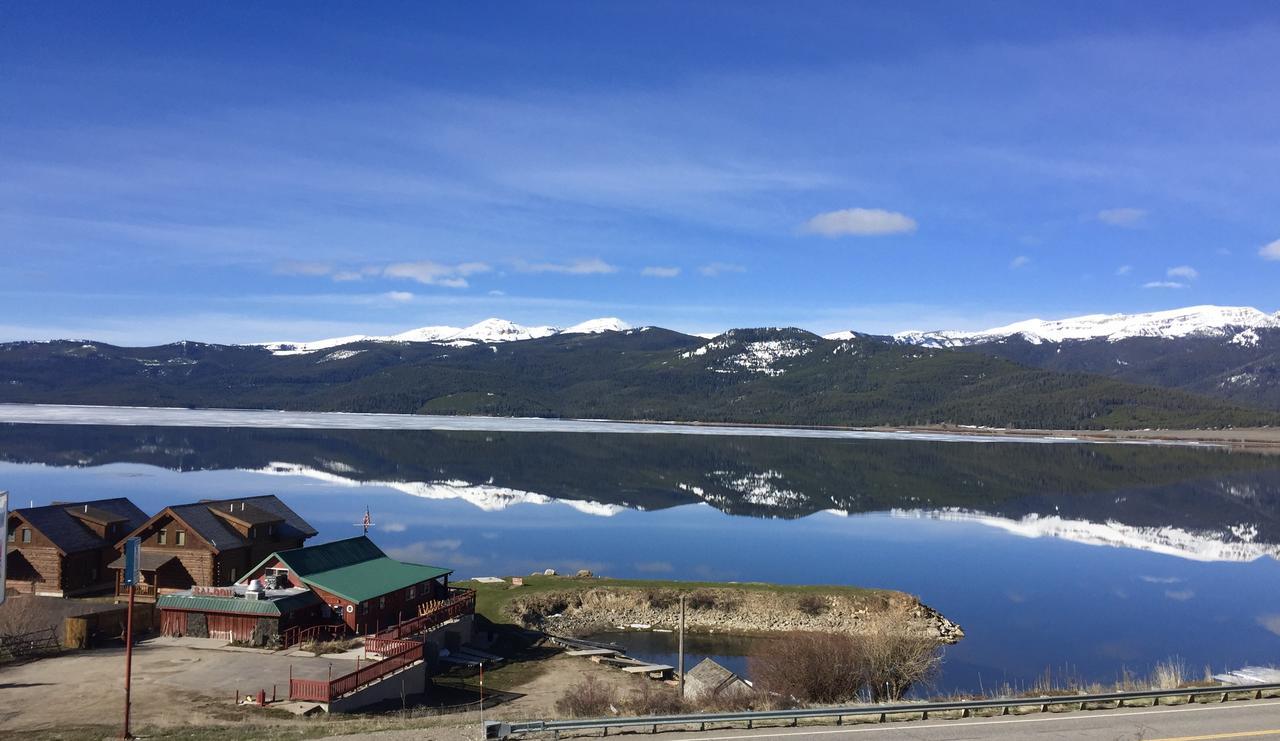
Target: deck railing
[(461, 602), (321, 690), (299, 634)]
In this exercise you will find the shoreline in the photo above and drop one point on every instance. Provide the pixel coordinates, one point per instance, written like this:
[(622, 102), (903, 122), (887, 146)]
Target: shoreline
[(1262, 439), (575, 606)]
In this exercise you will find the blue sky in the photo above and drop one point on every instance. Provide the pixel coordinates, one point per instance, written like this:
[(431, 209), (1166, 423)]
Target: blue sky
[(266, 171)]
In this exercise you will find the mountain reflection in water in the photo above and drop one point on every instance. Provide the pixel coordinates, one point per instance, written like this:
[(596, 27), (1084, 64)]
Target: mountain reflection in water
[(1051, 556)]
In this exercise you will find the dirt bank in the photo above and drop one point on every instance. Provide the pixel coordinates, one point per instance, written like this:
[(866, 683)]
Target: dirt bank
[(578, 610)]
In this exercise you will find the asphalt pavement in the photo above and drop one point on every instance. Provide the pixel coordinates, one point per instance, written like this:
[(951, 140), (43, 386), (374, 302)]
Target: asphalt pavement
[(1258, 719)]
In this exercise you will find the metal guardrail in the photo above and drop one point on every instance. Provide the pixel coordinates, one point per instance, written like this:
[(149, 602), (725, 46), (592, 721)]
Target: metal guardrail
[(966, 708)]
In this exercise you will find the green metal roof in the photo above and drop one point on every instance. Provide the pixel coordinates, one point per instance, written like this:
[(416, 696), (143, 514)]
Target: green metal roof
[(354, 569), (366, 580), (239, 606)]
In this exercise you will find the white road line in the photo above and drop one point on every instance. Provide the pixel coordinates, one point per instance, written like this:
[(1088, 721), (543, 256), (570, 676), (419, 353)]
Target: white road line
[(960, 723)]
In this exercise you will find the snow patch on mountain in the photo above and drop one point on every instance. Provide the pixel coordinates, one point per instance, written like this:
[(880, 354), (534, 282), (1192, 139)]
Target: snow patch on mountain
[(487, 331), (1194, 321), (597, 326), (757, 357), (1235, 544)]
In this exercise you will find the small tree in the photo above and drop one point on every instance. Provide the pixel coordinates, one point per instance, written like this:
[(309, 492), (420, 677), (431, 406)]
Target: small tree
[(894, 662)]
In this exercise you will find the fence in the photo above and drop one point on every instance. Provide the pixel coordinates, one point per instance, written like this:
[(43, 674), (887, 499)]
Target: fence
[(321, 690), (28, 645), (296, 635), (923, 709)]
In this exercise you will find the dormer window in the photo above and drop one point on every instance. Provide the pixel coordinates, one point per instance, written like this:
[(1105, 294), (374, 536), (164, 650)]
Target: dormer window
[(162, 538), (13, 535), (181, 538), (26, 535)]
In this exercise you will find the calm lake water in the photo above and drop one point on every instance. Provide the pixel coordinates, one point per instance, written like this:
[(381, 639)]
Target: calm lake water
[(1089, 559)]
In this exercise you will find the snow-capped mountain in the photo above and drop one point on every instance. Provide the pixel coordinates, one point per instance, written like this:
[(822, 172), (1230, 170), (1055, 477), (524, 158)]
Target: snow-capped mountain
[(1237, 322), (487, 331)]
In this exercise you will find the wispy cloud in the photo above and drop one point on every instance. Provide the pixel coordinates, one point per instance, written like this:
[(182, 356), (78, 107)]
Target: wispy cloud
[(1183, 271), (1124, 270), (398, 296), (655, 271), (1126, 217), (859, 222), (1270, 251), (436, 274), (714, 269), (1021, 261), (1164, 284), (1180, 595), (585, 266)]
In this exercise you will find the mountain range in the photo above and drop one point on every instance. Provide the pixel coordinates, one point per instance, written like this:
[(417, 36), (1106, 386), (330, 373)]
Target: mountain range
[(1087, 373)]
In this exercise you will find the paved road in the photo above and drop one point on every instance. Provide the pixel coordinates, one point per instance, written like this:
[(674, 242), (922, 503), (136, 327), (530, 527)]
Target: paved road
[(1238, 720)]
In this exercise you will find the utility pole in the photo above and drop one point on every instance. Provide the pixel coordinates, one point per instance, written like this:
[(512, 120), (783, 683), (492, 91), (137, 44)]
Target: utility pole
[(131, 548), (483, 731), (681, 649)]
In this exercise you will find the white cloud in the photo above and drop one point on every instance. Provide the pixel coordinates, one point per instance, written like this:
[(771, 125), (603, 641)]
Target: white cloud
[(1021, 261), (585, 266), (859, 222), (496, 292), (656, 271), (1183, 271), (1164, 284), (435, 274), (1271, 251), (714, 269), (297, 267), (1124, 270), (1181, 595), (1122, 216), (1224, 251), (399, 296)]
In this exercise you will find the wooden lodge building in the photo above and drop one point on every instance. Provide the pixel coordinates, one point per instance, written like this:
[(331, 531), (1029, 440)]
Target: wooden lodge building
[(345, 587), (64, 549), (210, 543)]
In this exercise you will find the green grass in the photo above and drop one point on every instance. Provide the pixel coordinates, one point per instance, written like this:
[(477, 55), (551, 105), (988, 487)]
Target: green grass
[(492, 599)]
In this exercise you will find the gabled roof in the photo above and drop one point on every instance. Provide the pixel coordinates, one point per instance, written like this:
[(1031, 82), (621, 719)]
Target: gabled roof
[(66, 531), (354, 569), (222, 535)]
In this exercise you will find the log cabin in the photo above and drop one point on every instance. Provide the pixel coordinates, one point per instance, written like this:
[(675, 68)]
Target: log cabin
[(210, 543), (64, 549)]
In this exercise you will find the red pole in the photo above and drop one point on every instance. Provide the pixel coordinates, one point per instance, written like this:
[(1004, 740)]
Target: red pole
[(128, 662)]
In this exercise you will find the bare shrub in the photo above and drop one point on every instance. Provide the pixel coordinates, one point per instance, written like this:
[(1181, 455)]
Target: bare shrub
[(894, 662), (653, 699), (824, 668), (811, 604), (661, 599), (701, 599), (810, 667), (589, 698)]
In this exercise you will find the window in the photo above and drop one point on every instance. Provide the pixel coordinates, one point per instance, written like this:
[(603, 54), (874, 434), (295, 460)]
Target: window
[(26, 535), (181, 538), (364, 608), (13, 535), (413, 591), (271, 529), (233, 576), (382, 602), (162, 538)]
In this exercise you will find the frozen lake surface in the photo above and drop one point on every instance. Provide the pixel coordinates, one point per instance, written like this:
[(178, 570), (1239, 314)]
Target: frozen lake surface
[(73, 414)]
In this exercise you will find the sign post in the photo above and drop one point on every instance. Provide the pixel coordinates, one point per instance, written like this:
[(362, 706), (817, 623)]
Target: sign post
[(131, 549), (4, 530)]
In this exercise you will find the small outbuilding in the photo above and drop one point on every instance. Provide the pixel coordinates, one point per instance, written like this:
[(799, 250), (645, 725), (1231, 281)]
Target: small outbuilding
[(709, 679)]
